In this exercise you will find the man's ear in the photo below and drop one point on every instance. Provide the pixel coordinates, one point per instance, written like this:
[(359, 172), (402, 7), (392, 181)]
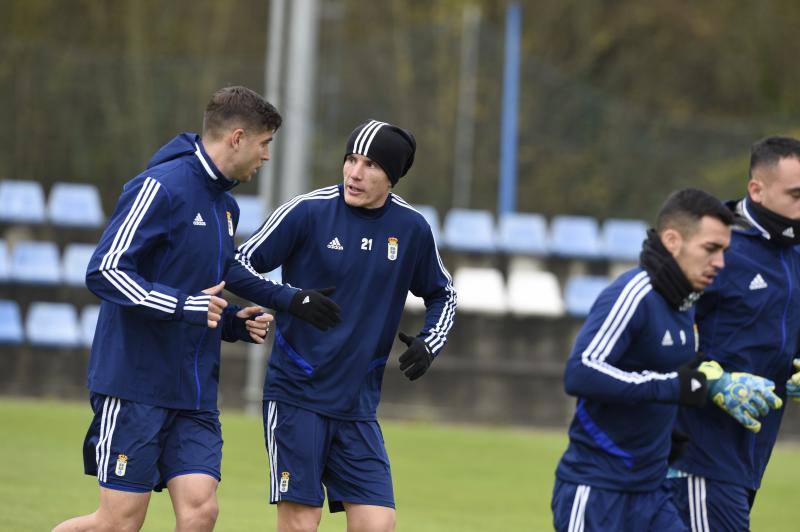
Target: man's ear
[(755, 189), (235, 137), (672, 240)]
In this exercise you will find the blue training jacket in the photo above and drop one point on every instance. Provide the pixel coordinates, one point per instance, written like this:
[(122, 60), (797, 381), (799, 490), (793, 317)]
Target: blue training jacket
[(373, 257), (749, 320), (170, 237), (623, 369)]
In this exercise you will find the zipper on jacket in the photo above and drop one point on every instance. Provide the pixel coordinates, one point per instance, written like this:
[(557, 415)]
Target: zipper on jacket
[(788, 299), (203, 337)]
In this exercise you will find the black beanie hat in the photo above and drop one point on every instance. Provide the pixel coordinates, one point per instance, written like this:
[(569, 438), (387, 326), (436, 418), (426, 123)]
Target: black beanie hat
[(390, 146)]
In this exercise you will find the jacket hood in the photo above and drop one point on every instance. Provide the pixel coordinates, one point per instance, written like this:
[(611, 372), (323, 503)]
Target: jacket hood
[(180, 146)]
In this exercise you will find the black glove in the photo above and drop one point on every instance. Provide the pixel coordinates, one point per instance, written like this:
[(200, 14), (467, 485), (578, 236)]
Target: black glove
[(694, 387), (316, 308), (417, 358)]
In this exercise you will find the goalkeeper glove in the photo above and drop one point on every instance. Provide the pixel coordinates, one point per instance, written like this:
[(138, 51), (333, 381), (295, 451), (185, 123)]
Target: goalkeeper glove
[(793, 384), (416, 360), (741, 395)]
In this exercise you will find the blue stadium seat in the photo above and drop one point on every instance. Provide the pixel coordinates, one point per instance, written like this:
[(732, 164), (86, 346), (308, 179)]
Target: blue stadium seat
[(3, 261), (75, 205), (89, 323), (622, 239), (52, 324), (252, 214), (575, 237), (522, 233), (432, 217), (469, 230), (580, 293), (10, 323), (74, 263), (35, 262), (22, 201)]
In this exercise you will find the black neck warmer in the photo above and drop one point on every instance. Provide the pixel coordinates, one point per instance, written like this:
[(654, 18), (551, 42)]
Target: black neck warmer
[(783, 231), (665, 275)]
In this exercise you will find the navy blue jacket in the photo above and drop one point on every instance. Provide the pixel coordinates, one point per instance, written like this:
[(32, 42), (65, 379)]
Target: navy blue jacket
[(749, 320), (623, 369), (170, 237), (373, 257)]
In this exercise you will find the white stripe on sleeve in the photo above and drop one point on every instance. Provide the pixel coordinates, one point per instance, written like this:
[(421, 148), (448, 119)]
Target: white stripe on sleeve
[(120, 244), (245, 251), (612, 328), (437, 336)]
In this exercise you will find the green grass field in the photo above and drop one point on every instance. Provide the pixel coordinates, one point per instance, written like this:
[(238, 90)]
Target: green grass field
[(447, 478)]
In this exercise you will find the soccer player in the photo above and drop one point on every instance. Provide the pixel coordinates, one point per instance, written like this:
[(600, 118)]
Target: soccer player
[(154, 364), (322, 390), (749, 320), (630, 369)]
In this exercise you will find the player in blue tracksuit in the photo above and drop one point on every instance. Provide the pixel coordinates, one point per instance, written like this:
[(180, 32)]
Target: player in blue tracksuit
[(629, 370), (154, 363), (322, 390), (749, 320)]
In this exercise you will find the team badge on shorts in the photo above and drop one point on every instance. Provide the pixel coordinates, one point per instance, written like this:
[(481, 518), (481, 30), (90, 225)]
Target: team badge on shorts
[(284, 487), (391, 252), (122, 465), (230, 223)]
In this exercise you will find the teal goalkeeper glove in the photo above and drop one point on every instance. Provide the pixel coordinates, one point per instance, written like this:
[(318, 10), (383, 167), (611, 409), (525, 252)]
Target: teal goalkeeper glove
[(793, 384), (743, 396)]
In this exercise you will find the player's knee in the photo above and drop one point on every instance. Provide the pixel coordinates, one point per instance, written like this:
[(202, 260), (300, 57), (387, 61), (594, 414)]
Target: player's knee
[(199, 516), (298, 518), (104, 522)]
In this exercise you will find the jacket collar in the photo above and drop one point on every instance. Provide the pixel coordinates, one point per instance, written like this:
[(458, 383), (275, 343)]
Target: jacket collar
[(215, 179)]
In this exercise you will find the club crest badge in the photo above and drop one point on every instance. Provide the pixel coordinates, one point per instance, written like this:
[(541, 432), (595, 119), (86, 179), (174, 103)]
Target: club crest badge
[(391, 251), (284, 487), (122, 465), (230, 223)]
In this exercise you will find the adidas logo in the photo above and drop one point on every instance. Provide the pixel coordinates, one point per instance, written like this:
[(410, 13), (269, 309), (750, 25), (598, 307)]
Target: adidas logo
[(667, 340), (758, 282), (306, 300), (198, 220), (335, 244), (695, 385), (788, 232)]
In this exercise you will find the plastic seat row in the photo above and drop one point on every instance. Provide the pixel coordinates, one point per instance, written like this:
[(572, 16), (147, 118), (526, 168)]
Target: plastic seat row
[(527, 293), (69, 204), (526, 233), (517, 233), (48, 324), (38, 262)]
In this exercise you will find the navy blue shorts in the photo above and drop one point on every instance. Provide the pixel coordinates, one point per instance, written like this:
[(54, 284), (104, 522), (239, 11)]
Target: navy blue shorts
[(136, 447), (582, 508), (706, 504), (310, 454)]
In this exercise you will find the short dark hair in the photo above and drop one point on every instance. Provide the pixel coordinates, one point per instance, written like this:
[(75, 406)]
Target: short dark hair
[(684, 209), (242, 107), (768, 151)]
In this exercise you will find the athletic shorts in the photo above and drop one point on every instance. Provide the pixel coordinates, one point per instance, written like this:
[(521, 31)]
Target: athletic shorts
[(706, 504), (310, 454), (137, 447), (582, 508)]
